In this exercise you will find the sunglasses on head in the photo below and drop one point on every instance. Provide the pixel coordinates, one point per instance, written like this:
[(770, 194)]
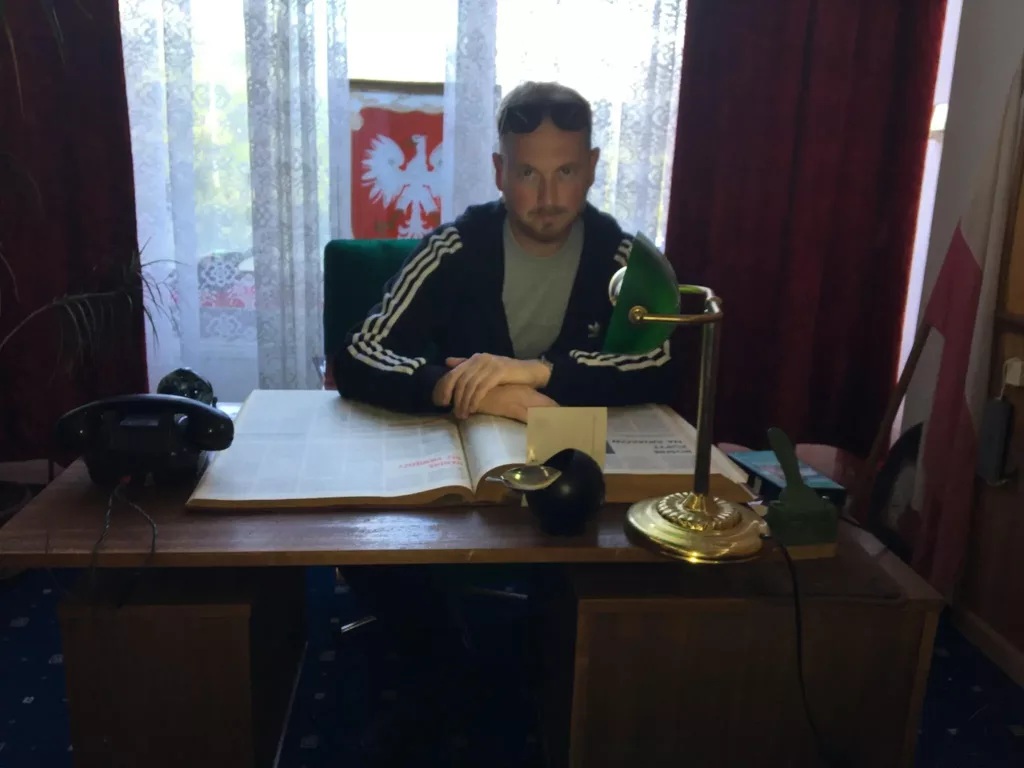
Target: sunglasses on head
[(526, 117)]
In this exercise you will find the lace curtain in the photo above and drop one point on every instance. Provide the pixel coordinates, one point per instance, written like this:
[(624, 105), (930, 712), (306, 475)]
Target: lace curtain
[(622, 55), (236, 109), (241, 127)]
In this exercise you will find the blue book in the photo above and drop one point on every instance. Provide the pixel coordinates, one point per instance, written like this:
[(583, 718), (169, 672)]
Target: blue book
[(766, 479)]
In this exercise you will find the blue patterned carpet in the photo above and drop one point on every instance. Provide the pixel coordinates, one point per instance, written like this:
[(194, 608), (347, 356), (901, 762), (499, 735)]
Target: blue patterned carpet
[(973, 715)]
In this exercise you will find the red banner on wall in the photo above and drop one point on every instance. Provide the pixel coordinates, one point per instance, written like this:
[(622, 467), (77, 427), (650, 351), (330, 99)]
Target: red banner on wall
[(396, 165)]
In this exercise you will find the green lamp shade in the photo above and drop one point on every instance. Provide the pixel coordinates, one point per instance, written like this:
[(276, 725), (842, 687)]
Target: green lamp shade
[(649, 282)]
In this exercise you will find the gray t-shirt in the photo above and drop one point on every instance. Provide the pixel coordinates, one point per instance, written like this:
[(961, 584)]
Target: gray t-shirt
[(536, 291)]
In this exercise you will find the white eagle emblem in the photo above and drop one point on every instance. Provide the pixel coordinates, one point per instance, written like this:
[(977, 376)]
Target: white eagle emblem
[(412, 183)]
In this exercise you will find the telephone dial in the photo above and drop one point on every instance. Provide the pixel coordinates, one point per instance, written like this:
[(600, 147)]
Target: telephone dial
[(135, 436)]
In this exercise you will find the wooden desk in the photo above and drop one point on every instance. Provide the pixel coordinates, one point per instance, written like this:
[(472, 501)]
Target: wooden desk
[(870, 624), (670, 665)]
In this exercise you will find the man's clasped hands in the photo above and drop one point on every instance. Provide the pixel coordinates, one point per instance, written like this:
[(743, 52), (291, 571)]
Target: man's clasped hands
[(492, 384)]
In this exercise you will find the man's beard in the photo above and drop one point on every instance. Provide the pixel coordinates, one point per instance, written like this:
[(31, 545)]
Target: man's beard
[(546, 234)]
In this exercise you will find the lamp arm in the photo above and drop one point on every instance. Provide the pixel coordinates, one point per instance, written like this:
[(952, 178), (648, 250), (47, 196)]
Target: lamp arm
[(709, 320), (712, 310)]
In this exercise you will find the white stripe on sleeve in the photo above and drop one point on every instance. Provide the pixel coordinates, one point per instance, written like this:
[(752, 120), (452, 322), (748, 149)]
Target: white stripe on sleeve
[(622, 252), (367, 344), (656, 358)]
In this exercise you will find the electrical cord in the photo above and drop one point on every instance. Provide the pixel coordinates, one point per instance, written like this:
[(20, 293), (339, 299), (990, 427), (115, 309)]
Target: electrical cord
[(103, 536), (117, 494), (137, 576), (828, 756), (150, 520), (825, 755)]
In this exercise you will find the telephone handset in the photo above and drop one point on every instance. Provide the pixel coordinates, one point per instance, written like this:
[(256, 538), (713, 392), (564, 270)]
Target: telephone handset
[(132, 436)]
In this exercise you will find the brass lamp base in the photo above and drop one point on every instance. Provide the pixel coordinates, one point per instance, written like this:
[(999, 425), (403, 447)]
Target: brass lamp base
[(696, 527)]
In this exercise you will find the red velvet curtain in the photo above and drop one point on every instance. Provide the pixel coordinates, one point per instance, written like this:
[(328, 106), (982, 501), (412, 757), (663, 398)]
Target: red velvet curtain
[(800, 150), (67, 217)]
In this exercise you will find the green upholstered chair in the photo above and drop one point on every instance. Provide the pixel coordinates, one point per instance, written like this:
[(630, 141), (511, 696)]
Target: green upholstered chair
[(355, 272)]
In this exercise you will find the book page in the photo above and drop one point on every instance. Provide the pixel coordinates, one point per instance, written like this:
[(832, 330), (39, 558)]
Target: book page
[(655, 440), (308, 445), (492, 442)]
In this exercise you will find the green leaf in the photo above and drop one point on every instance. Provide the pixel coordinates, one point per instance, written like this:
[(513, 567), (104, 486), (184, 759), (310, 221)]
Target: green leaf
[(75, 327), (11, 161), (58, 34), (60, 352), (84, 331), (10, 271), (149, 319), (14, 62), (79, 6)]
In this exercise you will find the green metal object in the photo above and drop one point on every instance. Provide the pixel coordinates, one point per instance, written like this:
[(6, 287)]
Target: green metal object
[(650, 282), (798, 516)]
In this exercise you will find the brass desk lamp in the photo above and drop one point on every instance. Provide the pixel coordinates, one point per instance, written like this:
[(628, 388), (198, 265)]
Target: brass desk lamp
[(693, 525)]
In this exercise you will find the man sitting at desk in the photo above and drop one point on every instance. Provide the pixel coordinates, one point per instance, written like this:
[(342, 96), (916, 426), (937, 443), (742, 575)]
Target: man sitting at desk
[(506, 308)]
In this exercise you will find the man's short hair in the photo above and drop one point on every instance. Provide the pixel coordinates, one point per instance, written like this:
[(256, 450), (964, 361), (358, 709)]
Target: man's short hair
[(527, 105)]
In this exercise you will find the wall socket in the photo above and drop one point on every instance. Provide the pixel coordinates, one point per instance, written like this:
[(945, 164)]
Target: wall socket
[(1013, 372)]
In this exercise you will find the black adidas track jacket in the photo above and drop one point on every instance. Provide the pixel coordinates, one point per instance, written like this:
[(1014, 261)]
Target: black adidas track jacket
[(446, 301)]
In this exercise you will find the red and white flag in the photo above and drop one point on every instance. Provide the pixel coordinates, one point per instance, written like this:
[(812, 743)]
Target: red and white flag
[(961, 310)]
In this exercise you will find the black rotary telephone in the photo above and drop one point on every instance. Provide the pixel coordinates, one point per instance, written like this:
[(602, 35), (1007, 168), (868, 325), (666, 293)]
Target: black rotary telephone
[(133, 436)]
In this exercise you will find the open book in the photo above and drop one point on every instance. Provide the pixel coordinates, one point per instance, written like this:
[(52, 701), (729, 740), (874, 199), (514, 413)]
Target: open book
[(304, 448)]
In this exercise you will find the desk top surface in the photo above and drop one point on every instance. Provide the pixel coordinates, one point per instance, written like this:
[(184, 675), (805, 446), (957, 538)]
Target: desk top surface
[(60, 528)]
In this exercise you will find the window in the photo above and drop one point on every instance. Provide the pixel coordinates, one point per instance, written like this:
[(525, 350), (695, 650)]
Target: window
[(244, 116)]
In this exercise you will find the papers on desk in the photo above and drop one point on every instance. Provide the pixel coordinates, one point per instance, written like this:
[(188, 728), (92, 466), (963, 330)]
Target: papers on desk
[(295, 448), (652, 441)]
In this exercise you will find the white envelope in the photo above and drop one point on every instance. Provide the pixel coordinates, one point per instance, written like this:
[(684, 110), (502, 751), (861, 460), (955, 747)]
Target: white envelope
[(550, 430)]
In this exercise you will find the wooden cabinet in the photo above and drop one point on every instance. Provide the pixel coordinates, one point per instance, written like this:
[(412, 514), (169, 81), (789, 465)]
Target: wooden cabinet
[(669, 665), (182, 668)]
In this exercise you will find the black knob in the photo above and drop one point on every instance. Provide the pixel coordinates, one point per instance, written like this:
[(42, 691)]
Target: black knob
[(564, 507)]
